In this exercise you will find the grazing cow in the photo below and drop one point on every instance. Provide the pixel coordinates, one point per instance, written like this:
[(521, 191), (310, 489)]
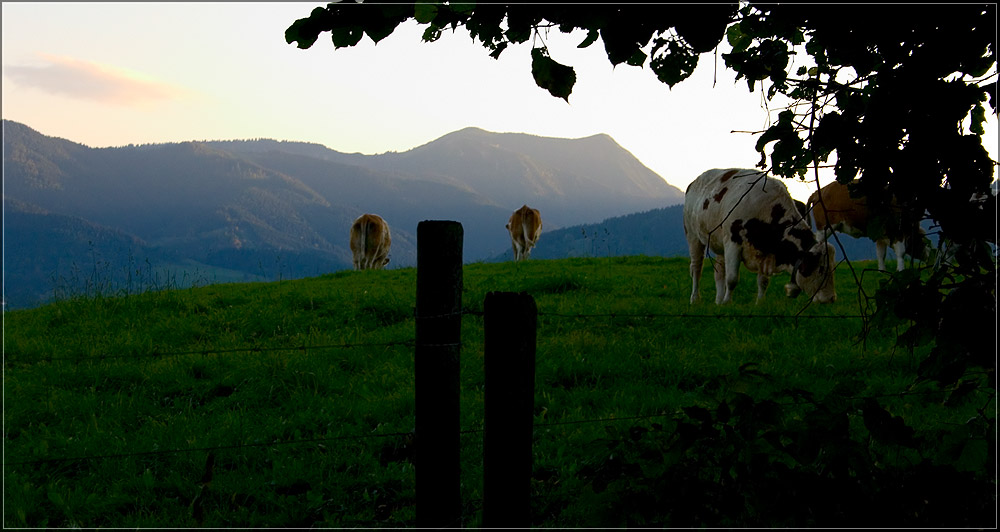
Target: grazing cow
[(370, 242), (525, 225), (842, 212), (745, 217)]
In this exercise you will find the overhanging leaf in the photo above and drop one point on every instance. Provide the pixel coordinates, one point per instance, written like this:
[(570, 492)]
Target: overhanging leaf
[(592, 36), (424, 12), (737, 39), (305, 31), (556, 78), (675, 63), (343, 37)]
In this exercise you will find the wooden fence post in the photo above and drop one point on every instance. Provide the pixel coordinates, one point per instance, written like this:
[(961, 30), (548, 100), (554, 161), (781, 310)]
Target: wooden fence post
[(509, 357), (436, 368)]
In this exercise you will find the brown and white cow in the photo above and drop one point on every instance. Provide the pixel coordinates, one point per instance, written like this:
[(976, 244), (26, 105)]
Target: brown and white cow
[(835, 209), (370, 241), (525, 225), (746, 217)]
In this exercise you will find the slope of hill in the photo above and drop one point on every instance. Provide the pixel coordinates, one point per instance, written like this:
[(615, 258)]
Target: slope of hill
[(238, 205)]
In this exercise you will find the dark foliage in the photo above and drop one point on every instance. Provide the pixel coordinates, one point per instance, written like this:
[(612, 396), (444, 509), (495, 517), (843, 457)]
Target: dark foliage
[(788, 461)]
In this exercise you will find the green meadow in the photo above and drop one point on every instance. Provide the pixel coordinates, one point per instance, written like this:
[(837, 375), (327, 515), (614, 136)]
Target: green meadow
[(290, 404)]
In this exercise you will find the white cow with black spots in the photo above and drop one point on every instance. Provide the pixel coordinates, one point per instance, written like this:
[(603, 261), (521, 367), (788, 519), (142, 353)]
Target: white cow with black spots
[(743, 216)]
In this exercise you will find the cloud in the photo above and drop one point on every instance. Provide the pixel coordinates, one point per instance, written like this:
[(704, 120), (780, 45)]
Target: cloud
[(75, 78)]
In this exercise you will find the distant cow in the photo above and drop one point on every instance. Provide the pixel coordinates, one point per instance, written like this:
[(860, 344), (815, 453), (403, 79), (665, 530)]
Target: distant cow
[(840, 211), (370, 242), (745, 217), (525, 225)]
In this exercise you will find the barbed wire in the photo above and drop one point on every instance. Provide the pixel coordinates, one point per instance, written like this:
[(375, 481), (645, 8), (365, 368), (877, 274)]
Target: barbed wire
[(206, 352), (203, 449), (700, 316), (16, 358)]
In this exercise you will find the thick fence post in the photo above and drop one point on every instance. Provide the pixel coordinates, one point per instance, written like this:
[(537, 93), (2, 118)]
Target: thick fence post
[(509, 321), (436, 368)]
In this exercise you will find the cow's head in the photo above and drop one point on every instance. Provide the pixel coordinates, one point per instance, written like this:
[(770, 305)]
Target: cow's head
[(813, 273)]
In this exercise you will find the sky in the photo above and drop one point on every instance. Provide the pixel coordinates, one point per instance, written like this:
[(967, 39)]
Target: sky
[(118, 73)]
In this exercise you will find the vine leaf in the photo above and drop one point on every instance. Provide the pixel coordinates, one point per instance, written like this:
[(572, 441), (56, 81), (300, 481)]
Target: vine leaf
[(556, 78)]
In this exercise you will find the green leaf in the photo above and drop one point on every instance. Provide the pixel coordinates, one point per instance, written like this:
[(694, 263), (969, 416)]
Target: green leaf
[(637, 58), (463, 7), (737, 39), (675, 64), (432, 33), (424, 12), (305, 31), (556, 78), (495, 54), (978, 118), (592, 36), (345, 36)]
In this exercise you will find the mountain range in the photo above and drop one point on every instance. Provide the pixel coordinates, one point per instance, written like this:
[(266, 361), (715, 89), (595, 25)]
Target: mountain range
[(77, 217)]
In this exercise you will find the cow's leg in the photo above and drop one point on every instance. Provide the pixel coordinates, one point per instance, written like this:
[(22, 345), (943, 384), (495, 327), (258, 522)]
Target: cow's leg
[(880, 248), (732, 270), (762, 282), (696, 251), (517, 250), (719, 270), (900, 249)]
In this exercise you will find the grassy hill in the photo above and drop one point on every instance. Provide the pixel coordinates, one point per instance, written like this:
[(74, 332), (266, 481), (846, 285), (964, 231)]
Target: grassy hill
[(290, 404)]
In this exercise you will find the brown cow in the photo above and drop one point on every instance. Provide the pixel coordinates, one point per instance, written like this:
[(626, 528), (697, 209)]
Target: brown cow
[(748, 218), (370, 242), (845, 213), (525, 225)]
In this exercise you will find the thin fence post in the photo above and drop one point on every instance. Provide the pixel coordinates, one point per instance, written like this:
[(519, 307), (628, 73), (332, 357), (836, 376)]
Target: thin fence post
[(436, 368), (509, 323)]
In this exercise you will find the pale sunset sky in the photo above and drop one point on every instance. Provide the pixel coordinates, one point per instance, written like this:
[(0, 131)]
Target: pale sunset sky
[(116, 73)]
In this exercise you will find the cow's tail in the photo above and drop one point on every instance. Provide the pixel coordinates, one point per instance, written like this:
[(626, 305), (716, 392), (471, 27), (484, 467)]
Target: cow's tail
[(372, 233), (528, 223), (526, 226), (363, 263)]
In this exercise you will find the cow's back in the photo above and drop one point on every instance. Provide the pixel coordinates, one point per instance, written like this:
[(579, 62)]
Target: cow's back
[(720, 198), (833, 205)]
